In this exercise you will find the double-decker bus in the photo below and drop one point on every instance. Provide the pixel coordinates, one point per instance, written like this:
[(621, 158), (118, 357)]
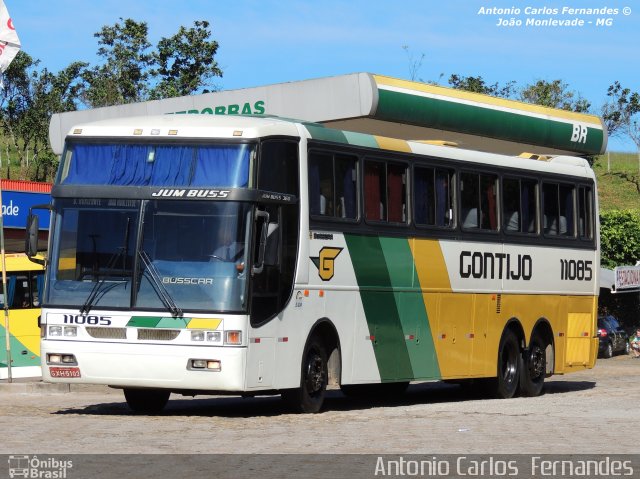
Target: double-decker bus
[(258, 255), (25, 281)]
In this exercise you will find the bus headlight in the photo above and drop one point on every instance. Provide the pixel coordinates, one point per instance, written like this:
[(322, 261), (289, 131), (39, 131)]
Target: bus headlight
[(70, 331), (55, 330), (214, 336), (197, 335)]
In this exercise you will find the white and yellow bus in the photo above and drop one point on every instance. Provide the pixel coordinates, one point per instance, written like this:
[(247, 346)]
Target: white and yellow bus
[(202, 254), (25, 281)]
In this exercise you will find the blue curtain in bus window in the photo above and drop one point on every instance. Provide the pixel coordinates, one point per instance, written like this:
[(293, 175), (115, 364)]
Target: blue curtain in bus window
[(146, 165), (314, 187), (11, 289), (90, 164), (222, 166), (40, 289), (349, 186), (524, 207)]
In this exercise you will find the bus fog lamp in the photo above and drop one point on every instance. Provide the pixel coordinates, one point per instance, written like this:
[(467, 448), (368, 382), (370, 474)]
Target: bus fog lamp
[(198, 363), (70, 331), (69, 359), (54, 358), (214, 365), (197, 335), (55, 330), (214, 336)]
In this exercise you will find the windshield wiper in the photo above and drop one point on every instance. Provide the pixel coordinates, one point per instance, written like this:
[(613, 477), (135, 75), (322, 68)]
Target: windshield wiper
[(122, 251), (154, 278), (93, 294)]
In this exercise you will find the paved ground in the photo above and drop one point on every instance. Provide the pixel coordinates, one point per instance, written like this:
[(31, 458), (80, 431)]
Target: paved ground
[(586, 412)]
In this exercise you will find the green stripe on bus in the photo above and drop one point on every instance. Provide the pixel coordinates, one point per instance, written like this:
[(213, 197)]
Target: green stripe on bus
[(361, 139), (410, 304), (144, 321), (447, 115), (326, 134), (380, 308), (173, 323)]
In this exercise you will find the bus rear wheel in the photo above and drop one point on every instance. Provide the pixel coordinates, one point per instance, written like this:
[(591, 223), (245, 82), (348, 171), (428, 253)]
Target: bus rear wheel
[(509, 366), (534, 368), (309, 397), (146, 401)]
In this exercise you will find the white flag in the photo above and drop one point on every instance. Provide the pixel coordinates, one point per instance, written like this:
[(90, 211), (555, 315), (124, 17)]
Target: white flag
[(9, 41)]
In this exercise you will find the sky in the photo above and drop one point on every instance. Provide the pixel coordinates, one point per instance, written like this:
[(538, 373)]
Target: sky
[(263, 42)]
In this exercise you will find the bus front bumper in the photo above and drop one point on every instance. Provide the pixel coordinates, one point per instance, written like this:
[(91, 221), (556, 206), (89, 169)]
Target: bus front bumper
[(148, 365)]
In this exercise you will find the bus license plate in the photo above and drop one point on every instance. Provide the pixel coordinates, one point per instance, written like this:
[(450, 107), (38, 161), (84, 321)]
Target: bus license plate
[(64, 372)]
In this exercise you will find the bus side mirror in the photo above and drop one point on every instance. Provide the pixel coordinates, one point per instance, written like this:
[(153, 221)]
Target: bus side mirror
[(31, 241), (32, 233), (261, 217)]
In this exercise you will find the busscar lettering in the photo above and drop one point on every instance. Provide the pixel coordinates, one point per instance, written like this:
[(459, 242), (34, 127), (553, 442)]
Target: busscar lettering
[(479, 265), (174, 280)]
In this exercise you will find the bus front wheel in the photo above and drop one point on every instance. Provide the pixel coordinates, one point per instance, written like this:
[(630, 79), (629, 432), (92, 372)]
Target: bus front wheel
[(146, 401), (509, 366), (308, 398)]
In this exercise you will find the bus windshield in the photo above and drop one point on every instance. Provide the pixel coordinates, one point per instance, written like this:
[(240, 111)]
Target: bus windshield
[(188, 255)]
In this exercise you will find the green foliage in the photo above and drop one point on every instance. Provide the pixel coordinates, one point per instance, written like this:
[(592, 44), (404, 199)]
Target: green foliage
[(28, 100), (554, 94), (615, 191), (131, 71), (478, 85), (185, 62), (124, 75), (619, 111), (619, 237)]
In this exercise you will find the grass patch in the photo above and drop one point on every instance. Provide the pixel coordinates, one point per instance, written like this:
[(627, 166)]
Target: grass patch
[(616, 193)]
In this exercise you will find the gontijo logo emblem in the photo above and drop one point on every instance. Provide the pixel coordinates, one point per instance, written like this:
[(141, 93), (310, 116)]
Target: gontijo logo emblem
[(325, 262)]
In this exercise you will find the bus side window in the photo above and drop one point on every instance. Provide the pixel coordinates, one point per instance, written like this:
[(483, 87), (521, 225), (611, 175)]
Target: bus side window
[(558, 207), (478, 206), (433, 196), (585, 205), (19, 297), (519, 205)]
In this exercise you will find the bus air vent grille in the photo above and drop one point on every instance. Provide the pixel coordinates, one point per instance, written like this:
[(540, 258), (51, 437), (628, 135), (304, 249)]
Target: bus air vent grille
[(151, 334), (107, 333)]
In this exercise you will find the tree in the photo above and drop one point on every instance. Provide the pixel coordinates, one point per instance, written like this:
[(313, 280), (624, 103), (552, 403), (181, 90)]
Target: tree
[(132, 71), (619, 237), (620, 110), (185, 62), (478, 85), (27, 102), (554, 94), (125, 73)]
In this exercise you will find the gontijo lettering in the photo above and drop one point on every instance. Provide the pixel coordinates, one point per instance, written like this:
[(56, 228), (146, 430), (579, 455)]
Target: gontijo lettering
[(495, 265)]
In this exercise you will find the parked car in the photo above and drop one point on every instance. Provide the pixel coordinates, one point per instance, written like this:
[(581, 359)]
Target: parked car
[(613, 339)]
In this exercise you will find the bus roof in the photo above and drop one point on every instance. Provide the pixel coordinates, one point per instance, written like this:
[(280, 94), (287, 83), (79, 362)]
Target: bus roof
[(380, 105), (159, 127)]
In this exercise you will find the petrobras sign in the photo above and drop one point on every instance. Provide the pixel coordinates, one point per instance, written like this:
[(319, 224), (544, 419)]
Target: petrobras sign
[(15, 208), (627, 278)]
